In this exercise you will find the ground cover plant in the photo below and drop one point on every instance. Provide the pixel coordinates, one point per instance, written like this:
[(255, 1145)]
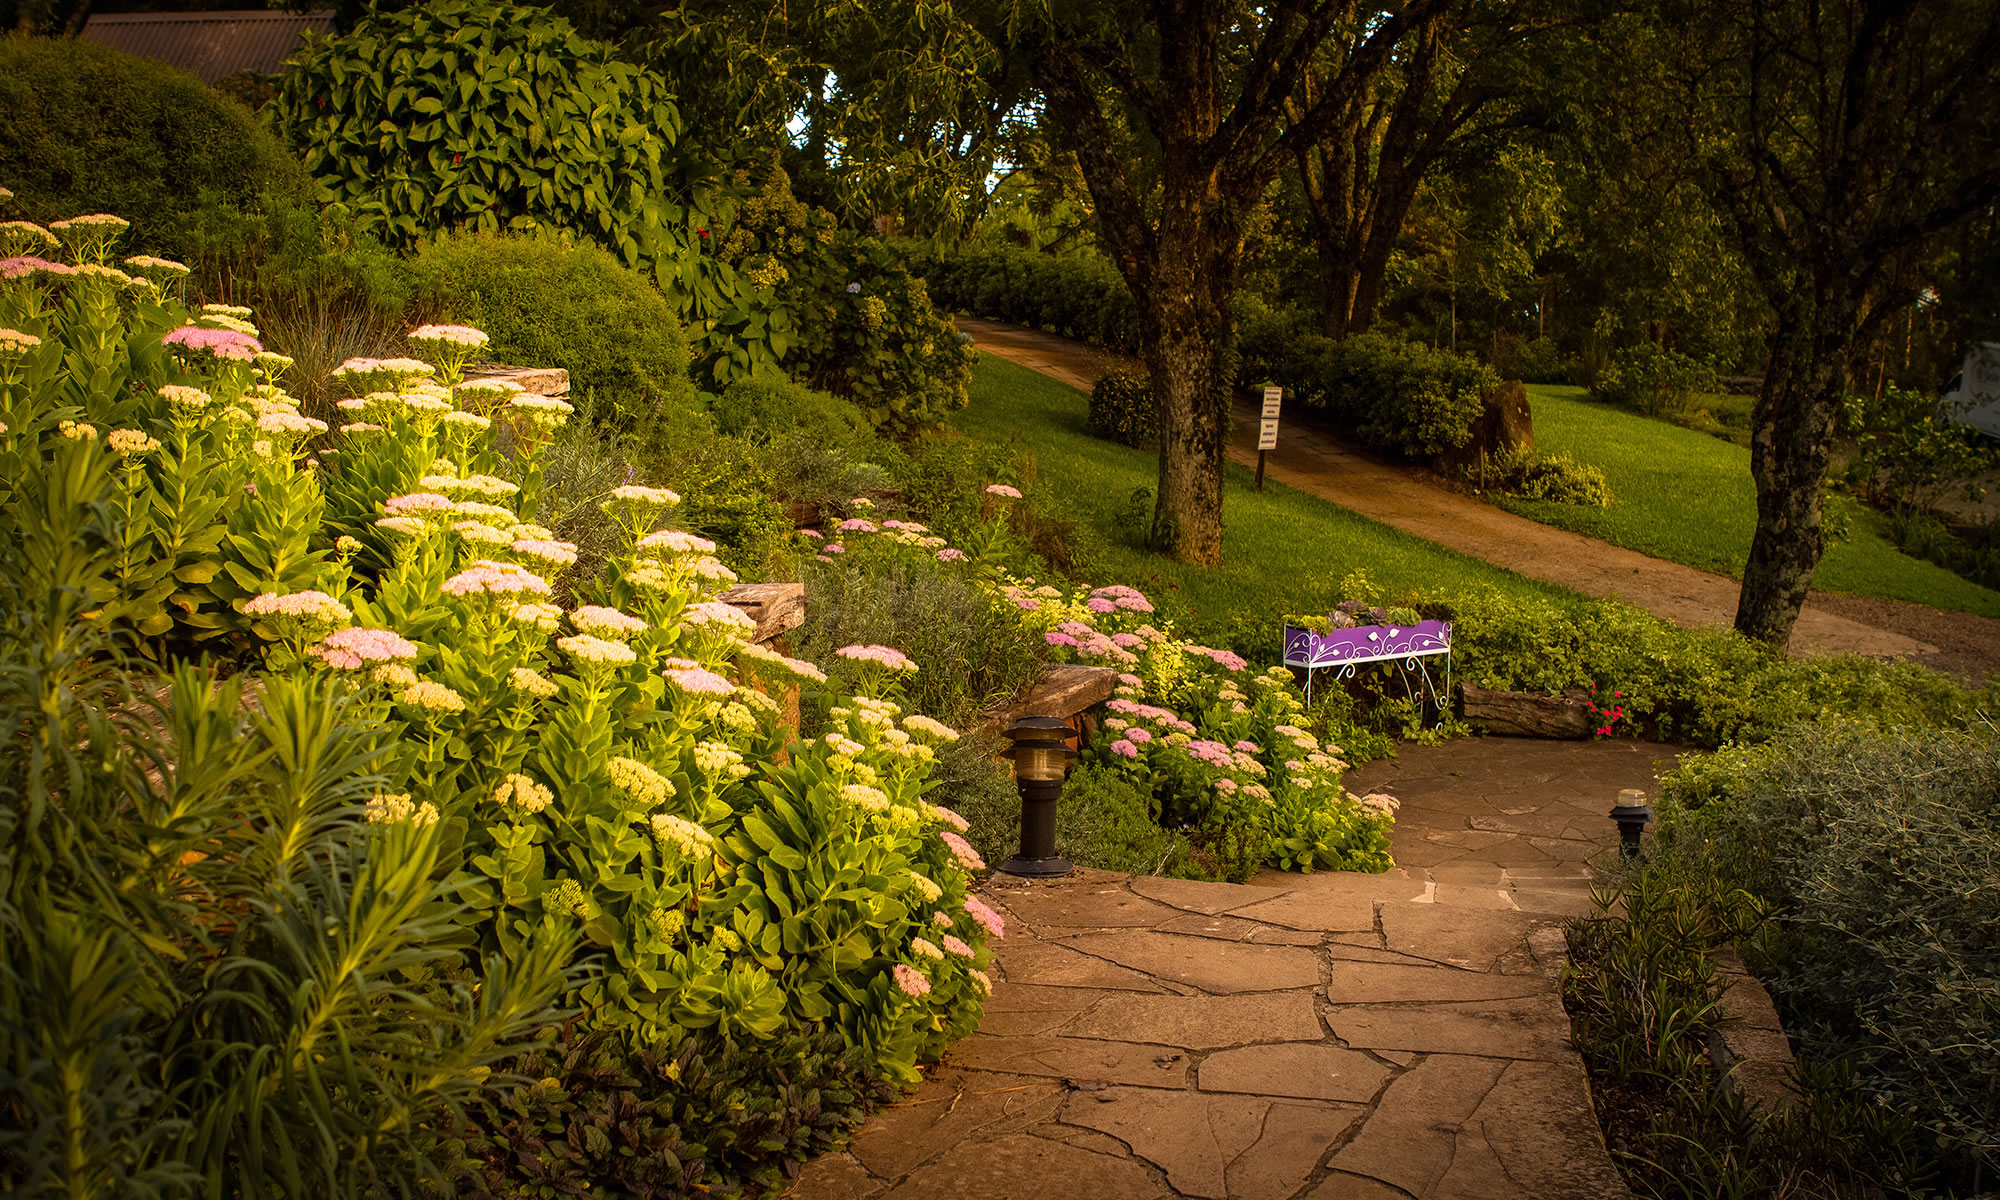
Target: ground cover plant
[(1688, 498), (516, 805)]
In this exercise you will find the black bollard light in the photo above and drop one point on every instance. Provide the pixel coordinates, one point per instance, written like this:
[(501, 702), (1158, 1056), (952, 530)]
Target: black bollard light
[(1041, 758), (1632, 813)]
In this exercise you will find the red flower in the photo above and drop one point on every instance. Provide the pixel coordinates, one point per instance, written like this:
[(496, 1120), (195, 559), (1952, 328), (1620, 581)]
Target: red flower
[(702, 234)]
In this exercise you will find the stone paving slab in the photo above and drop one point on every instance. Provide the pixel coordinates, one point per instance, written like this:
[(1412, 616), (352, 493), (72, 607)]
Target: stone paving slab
[(1324, 1037)]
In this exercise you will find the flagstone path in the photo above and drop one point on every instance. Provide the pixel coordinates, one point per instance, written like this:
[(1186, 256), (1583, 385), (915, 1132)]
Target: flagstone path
[(1309, 459), (1324, 1037)]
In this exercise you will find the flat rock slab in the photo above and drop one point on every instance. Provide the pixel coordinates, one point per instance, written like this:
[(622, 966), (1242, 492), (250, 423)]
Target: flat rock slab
[(1457, 1128), (836, 1177), (1029, 959), (1090, 905), (1194, 895), (1084, 1059), (1387, 983), (1062, 692), (1325, 909), (1472, 940), (776, 607), (1235, 929), (1200, 1022), (1017, 1009), (1023, 1167), (1216, 1147), (1305, 1071), (951, 1106), (1529, 1028), (1213, 966)]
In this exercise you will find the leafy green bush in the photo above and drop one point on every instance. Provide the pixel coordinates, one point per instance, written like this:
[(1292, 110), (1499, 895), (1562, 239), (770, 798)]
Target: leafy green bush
[(589, 1116), (1106, 821), (867, 333), (727, 495), (492, 117), (1079, 296), (192, 910), (572, 306), (1875, 849), (1652, 379), (1121, 407), (770, 408), (1553, 477), (1396, 395), (1538, 360), (85, 129), (1908, 452)]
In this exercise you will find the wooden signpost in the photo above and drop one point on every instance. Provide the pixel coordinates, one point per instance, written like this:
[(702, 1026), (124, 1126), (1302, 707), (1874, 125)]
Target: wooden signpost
[(1267, 428)]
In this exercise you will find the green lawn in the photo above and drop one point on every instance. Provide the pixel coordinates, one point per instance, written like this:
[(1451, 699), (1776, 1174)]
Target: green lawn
[(1688, 497), (1283, 550)]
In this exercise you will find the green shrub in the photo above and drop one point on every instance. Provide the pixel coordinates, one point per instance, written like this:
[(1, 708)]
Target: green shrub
[(1538, 360), (589, 1116), (1121, 407), (771, 408), (1079, 296), (574, 306), (727, 496), (1876, 851), (1652, 379), (867, 332), (1395, 395), (1908, 452), (467, 115), (1106, 821), (85, 129), (1553, 477)]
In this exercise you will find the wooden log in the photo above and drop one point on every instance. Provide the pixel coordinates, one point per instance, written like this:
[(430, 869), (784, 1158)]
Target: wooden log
[(1529, 714), (776, 607), (1062, 692), (539, 381)]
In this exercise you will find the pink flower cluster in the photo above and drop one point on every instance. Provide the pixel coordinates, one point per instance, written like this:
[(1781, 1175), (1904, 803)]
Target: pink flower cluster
[(352, 649), (912, 981), (956, 946), (486, 577), (418, 502), (1213, 753), (950, 554), (679, 541), (1003, 491), (988, 919), (296, 604), (28, 264), (1149, 712), (962, 851), (1221, 658), (858, 525), (888, 656), (221, 343), (906, 526), (697, 682), (1124, 746), (1129, 599)]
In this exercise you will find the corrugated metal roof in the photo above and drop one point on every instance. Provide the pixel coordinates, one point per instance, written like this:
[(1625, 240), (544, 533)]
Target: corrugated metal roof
[(211, 44)]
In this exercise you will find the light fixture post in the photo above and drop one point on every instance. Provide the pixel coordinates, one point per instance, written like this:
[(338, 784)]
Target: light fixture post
[(1041, 755)]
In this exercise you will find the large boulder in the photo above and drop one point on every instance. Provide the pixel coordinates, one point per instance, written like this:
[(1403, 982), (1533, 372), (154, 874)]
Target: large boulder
[(1505, 428)]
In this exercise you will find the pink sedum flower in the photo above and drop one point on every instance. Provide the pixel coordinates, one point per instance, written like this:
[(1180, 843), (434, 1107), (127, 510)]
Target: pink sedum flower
[(912, 981), (986, 918), (353, 649)]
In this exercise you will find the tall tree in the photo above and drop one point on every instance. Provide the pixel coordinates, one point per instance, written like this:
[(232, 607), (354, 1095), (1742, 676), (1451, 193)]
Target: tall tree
[(1451, 90), (1181, 112), (1851, 134)]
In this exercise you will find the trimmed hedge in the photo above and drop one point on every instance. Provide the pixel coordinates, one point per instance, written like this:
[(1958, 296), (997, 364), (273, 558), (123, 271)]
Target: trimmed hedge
[(87, 129), (544, 301), (1399, 396), (1080, 296)]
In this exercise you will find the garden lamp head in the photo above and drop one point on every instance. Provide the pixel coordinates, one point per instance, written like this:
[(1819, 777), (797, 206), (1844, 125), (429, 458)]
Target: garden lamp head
[(1040, 749), (1632, 814), (1041, 757)]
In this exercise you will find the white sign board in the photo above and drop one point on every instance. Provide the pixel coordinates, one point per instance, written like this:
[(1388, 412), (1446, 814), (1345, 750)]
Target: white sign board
[(1267, 428), (1975, 396)]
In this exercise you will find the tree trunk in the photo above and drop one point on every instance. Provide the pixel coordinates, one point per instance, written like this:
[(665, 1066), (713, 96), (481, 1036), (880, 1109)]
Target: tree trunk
[(1189, 335), (1795, 419)]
